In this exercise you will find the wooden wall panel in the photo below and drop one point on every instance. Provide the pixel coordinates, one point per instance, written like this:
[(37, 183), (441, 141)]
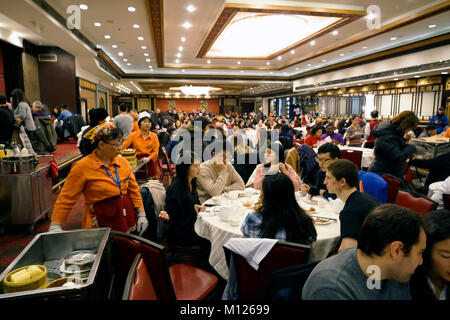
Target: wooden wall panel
[(89, 96), (31, 78), (188, 105)]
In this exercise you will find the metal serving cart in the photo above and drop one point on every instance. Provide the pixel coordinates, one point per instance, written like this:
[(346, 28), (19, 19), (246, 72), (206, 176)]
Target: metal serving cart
[(51, 249), (25, 195)]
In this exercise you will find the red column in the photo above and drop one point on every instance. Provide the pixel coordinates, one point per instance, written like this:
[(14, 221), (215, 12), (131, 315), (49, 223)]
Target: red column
[(2, 75)]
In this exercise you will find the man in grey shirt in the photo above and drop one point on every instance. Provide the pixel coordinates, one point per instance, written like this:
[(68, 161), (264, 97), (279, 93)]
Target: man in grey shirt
[(123, 121), (389, 250)]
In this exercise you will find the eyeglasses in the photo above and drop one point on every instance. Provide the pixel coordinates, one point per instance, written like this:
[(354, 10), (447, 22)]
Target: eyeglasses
[(322, 160)]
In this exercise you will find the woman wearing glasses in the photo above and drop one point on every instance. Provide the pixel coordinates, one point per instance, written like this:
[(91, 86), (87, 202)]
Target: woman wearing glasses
[(112, 196)]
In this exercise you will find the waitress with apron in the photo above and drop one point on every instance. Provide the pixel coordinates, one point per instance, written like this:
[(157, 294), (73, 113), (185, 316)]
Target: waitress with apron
[(111, 193), (146, 144)]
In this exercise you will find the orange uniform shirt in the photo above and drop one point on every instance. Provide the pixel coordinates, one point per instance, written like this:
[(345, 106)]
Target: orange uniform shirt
[(88, 177), (447, 133), (135, 126), (148, 147)]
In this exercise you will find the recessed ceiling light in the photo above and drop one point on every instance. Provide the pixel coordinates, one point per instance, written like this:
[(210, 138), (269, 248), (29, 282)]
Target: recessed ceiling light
[(431, 26), (309, 65), (183, 70), (150, 67), (416, 76), (143, 47), (364, 47), (125, 60), (395, 79), (179, 55), (209, 61), (131, 9), (177, 61), (342, 54), (136, 26), (191, 8), (393, 38), (377, 81), (324, 60), (97, 24), (271, 72), (313, 42), (335, 32), (140, 38), (292, 51), (107, 37), (279, 58), (83, 7), (242, 71), (359, 84), (238, 62), (444, 72), (183, 39), (148, 60), (146, 54), (186, 25), (120, 54), (128, 64), (268, 63), (296, 68), (114, 46), (180, 48)]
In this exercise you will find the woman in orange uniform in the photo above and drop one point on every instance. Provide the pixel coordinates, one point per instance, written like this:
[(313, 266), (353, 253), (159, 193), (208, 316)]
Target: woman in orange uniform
[(145, 142), (112, 196)]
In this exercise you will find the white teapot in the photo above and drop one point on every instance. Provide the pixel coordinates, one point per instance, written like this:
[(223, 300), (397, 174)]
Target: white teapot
[(226, 211)]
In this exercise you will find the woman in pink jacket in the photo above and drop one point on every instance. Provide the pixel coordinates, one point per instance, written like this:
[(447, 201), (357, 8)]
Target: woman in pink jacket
[(274, 163)]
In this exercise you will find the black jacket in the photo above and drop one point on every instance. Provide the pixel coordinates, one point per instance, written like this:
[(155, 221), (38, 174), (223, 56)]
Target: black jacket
[(420, 289), (439, 167), (391, 151), (46, 134), (6, 125)]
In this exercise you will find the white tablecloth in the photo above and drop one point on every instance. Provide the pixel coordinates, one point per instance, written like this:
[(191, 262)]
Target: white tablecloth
[(367, 157), (218, 232)]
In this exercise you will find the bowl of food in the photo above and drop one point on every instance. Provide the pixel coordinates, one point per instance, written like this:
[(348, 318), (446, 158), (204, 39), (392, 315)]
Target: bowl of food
[(248, 203), (66, 282), (26, 278)]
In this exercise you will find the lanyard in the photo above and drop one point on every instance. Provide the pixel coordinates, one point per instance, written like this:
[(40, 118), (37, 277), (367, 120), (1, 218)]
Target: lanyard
[(117, 175)]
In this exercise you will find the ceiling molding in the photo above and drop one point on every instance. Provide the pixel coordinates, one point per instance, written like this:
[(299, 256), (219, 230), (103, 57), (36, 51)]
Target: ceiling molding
[(440, 8), (231, 9), (413, 47), (155, 12)]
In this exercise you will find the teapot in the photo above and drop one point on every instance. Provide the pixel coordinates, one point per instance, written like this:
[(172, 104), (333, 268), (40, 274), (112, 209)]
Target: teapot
[(226, 212)]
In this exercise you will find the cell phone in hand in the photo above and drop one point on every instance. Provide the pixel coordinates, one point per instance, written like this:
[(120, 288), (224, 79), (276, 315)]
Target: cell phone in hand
[(209, 205)]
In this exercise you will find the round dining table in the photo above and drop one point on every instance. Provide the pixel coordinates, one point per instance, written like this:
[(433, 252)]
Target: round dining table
[(218, 231)]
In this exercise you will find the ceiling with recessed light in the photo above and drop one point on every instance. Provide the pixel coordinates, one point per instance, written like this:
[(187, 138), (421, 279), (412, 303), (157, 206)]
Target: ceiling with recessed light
[(235, 45)]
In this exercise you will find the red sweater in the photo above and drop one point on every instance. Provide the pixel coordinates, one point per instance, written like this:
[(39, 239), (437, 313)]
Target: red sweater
[(311, 141)]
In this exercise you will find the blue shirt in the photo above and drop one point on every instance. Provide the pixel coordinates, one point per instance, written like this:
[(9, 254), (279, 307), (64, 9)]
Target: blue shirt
[(251, 228), (443, 122), (65, 115)]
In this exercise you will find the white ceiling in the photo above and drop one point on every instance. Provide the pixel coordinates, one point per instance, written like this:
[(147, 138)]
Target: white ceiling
[(33, 24)]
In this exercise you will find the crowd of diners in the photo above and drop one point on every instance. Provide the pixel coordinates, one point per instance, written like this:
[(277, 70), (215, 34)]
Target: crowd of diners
[(411, 251)]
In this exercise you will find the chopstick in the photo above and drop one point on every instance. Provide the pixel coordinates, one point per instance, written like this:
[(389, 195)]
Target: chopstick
[(323, 217)]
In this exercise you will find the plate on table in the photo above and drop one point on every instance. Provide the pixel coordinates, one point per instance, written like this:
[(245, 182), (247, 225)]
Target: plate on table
[(310, 210), (310, 201), (321, 221)]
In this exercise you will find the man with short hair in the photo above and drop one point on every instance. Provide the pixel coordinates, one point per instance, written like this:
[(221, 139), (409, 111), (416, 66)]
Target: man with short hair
[(389, 250), (368, 135), (327, 153), (6, 122), (123, 120), (342, 179), (335, 137), (63, 116), (429, 131), (217, 175), (440, 120)]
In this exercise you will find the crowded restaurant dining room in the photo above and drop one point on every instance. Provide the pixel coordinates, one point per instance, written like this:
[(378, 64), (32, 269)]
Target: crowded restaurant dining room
[(225, 151)]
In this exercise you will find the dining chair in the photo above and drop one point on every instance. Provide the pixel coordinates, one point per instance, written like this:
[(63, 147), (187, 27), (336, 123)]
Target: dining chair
[(251, 282), (415, 202), (168, 169), (138, 285), (393, 185), (178, 282), (354, 156), (446, 201)]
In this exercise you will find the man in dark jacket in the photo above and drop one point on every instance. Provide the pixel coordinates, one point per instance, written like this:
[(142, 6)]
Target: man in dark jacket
[(439, 168), (391, 151), (6, 122)]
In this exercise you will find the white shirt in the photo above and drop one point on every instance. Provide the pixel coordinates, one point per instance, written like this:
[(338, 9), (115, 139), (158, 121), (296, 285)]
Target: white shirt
[(443, 295), (438, 195)]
